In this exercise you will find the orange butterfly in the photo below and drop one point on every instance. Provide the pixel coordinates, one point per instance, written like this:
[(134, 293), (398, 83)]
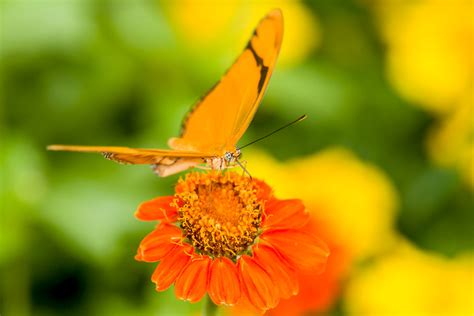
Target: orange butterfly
[(213, 126)]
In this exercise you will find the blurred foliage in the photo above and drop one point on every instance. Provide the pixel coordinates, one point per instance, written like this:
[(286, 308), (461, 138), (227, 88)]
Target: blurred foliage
[(125, 73)]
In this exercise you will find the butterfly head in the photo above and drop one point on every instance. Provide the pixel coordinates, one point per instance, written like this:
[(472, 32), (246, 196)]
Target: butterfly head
[(232, 156)]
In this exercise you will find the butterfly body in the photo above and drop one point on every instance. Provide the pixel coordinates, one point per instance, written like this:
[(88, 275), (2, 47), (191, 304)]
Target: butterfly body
[(228, 160), (214, 125)]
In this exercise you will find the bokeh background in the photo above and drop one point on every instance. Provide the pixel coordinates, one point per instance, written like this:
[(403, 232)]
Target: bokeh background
[(384, 161)]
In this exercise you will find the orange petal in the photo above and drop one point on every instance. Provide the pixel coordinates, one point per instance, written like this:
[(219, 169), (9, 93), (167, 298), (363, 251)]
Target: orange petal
[(171, 266), (265, 192), (299, 248), (158, 209), (284, 277), (244, 307), (285, 214), (257, 285), (224, 284), (191, 284), (158, 243)]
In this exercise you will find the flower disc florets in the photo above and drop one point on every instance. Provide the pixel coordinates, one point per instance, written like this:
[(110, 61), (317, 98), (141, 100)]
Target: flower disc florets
[(219, 213)]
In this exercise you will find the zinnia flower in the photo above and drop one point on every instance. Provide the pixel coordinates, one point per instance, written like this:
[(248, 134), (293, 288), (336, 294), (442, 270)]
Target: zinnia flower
[(227, 235)]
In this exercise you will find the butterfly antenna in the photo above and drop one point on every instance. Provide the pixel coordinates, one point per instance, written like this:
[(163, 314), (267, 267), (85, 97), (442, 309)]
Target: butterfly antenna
[(243, 168), (299, 119)]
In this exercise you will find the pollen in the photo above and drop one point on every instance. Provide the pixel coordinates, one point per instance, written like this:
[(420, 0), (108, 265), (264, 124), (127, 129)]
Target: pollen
[(219, 212)]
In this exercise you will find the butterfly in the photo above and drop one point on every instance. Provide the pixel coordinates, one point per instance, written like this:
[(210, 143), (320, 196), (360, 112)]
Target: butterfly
[(211, 129)]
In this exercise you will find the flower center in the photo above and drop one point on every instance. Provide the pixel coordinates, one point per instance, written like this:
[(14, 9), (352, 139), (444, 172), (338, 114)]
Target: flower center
[(219, 212)]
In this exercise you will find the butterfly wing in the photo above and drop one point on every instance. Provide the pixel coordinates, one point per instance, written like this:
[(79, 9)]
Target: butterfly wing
[(164, 162), (220, 118)]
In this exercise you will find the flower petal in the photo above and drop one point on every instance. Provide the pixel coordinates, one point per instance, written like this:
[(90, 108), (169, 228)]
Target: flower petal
[(299, 248), (283, 277), (285, 214), (244, 307), (171, 266), (158, 209), (257, 285), (265, 192), (224, 284), (191, 285), (158, 243)]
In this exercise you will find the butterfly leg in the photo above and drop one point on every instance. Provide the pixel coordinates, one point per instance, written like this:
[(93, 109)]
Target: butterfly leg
[(243, 167)]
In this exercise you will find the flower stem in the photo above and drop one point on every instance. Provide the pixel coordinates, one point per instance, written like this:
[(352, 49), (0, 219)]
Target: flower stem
[(210, 309)]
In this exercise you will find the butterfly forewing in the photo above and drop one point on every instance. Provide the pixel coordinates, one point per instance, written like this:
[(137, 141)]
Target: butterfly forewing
[(220, 118)]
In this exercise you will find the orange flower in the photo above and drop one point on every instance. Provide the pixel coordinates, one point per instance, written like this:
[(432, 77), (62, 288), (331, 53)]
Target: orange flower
[(319, 291), (227, 235)]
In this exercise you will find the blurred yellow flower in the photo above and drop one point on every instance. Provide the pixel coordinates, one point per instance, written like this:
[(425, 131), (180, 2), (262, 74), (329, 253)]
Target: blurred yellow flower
[(217, 25), (408, 281), (354, 199), (451, 143), (430, 50)]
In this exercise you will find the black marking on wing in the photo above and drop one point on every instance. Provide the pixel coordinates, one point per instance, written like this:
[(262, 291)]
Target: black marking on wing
[(263, 76), (111, 156), (263, 68), (258, 59)]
